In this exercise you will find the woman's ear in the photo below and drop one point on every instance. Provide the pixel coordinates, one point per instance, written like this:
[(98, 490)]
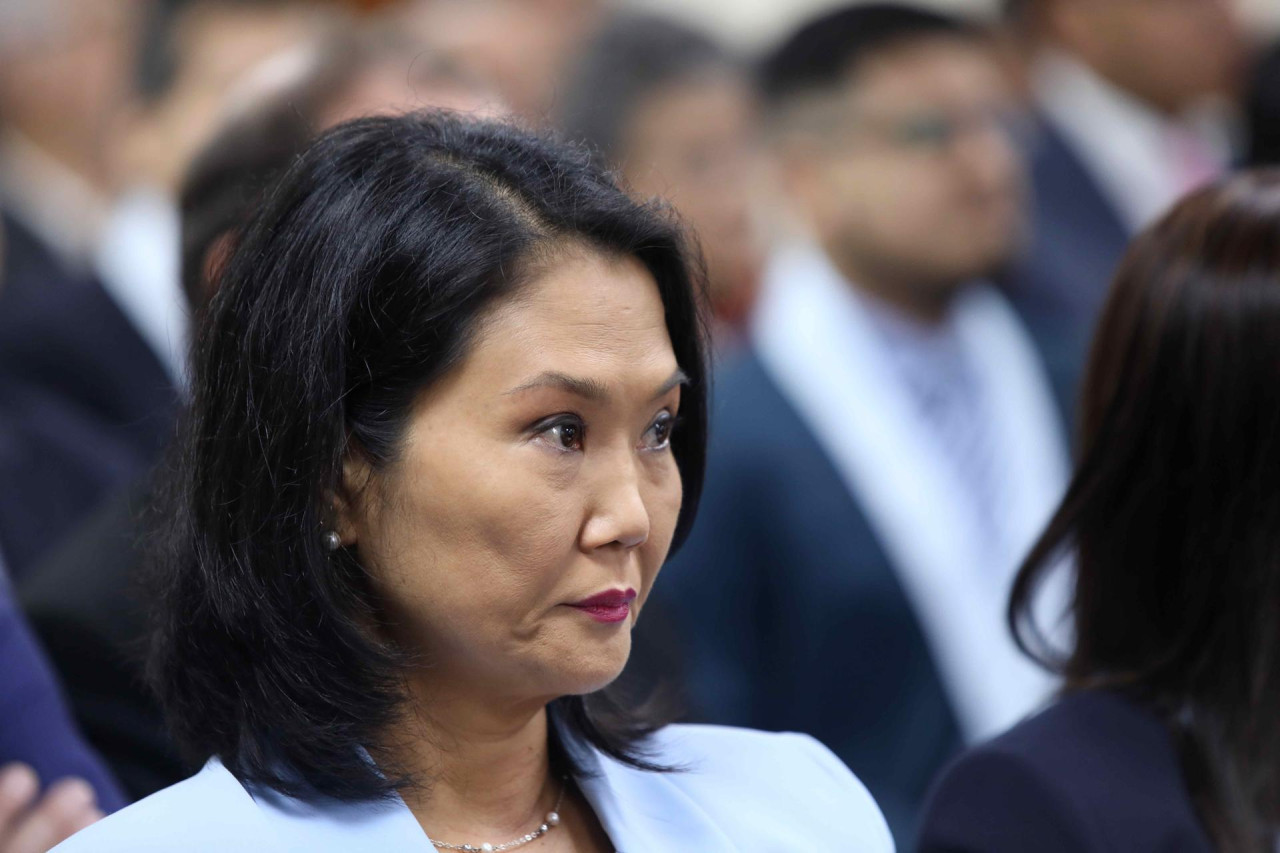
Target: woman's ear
[(347, 502)]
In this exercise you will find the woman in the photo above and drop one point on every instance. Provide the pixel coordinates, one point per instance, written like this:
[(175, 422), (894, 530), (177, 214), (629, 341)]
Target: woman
[(1165, 736), (448, 418)]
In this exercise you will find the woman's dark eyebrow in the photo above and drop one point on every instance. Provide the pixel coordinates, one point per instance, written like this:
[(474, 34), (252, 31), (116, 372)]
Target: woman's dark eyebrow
[(589, 389), (678, 378)]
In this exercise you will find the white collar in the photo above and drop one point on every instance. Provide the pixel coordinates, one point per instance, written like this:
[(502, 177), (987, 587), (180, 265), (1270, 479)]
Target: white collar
[(138, 261), (1124, 143), (815, 340)]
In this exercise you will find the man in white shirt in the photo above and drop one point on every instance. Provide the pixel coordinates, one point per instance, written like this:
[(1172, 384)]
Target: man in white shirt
[(889, 444), (1133, 97)]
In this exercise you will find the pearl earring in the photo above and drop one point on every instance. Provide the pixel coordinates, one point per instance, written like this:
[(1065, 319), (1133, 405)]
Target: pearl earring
[(332, 540)]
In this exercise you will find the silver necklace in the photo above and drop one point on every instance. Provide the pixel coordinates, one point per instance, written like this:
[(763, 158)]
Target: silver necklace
[(550, 822)]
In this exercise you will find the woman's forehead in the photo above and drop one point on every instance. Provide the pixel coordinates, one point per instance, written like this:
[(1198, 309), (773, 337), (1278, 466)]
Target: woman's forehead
[(601, 311)]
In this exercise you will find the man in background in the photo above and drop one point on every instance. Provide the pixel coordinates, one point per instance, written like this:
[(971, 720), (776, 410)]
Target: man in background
[(192, 55), (891, 443), (1134, 99), (92, 325), (84, 403)]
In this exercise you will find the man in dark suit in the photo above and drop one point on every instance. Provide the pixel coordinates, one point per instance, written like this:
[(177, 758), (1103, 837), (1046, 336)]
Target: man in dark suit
[(891, 441), (1127, 97), (85, 404)]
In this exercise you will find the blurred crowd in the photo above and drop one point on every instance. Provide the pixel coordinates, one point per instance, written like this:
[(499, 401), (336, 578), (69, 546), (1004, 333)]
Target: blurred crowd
[(909, 223)]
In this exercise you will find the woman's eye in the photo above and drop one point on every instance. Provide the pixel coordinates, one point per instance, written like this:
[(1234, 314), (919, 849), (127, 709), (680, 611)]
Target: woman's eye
[(658, 435), (564, 434)]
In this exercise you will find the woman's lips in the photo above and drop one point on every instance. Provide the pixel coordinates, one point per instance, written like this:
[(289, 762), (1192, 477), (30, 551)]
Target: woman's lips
[(613, 605)]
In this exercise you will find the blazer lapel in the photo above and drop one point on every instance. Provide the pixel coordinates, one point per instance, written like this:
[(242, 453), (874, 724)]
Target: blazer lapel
[(819, 347), (347, 827), (644, 811)]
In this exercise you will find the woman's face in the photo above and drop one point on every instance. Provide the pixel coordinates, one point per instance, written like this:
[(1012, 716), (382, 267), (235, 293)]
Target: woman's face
[(534, 477)]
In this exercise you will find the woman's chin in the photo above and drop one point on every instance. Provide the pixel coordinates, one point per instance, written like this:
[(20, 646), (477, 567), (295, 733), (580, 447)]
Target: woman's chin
[(583, 673)]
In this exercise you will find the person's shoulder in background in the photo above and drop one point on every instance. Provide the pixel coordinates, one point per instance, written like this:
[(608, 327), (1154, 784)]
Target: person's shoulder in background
[(35, 726), (1092, 772)]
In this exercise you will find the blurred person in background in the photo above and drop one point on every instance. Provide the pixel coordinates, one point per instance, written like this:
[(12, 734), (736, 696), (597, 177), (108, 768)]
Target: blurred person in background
[(85, 402), (66, 75), (1165, 736), (92, 326), (194, 72), (676, 115), (82, 599), (1262, 110), (523, 48), (193, 53), (891, 442), (1134, 99)]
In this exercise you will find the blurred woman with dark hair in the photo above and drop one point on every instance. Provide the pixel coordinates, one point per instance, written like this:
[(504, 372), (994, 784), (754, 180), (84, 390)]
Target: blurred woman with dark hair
[(675, 114), (1165, 736), (448, 418)]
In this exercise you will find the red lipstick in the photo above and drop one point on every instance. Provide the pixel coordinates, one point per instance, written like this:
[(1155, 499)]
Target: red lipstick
[(613, 605)]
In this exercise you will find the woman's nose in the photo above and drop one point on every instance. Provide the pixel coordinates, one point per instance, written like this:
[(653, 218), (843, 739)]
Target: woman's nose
[(619, 517)]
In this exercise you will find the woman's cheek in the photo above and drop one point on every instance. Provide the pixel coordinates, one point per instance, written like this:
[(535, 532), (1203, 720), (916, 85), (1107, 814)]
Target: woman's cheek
[(534, 536), (671, 497)]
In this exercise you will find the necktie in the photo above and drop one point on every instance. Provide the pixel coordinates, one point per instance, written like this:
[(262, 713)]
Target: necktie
[(951, 403)]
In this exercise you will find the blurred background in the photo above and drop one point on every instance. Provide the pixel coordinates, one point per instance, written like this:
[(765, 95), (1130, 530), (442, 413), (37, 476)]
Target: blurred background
[(975, 176), (754, 23)]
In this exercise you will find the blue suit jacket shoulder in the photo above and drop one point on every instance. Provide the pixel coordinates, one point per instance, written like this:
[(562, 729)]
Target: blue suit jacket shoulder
[(85, 405), (1077, 239), (1094, 772), (35, 726)]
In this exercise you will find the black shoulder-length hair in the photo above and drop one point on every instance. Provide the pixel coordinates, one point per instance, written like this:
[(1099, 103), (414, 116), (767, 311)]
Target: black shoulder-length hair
[(1173, 516), (358, 283)]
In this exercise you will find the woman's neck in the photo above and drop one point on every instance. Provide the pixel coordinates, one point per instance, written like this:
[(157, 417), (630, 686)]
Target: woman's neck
[(485, 768)]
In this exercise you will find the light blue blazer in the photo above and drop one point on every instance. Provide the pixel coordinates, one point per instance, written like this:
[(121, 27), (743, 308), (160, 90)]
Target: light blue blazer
[(740, 790)]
